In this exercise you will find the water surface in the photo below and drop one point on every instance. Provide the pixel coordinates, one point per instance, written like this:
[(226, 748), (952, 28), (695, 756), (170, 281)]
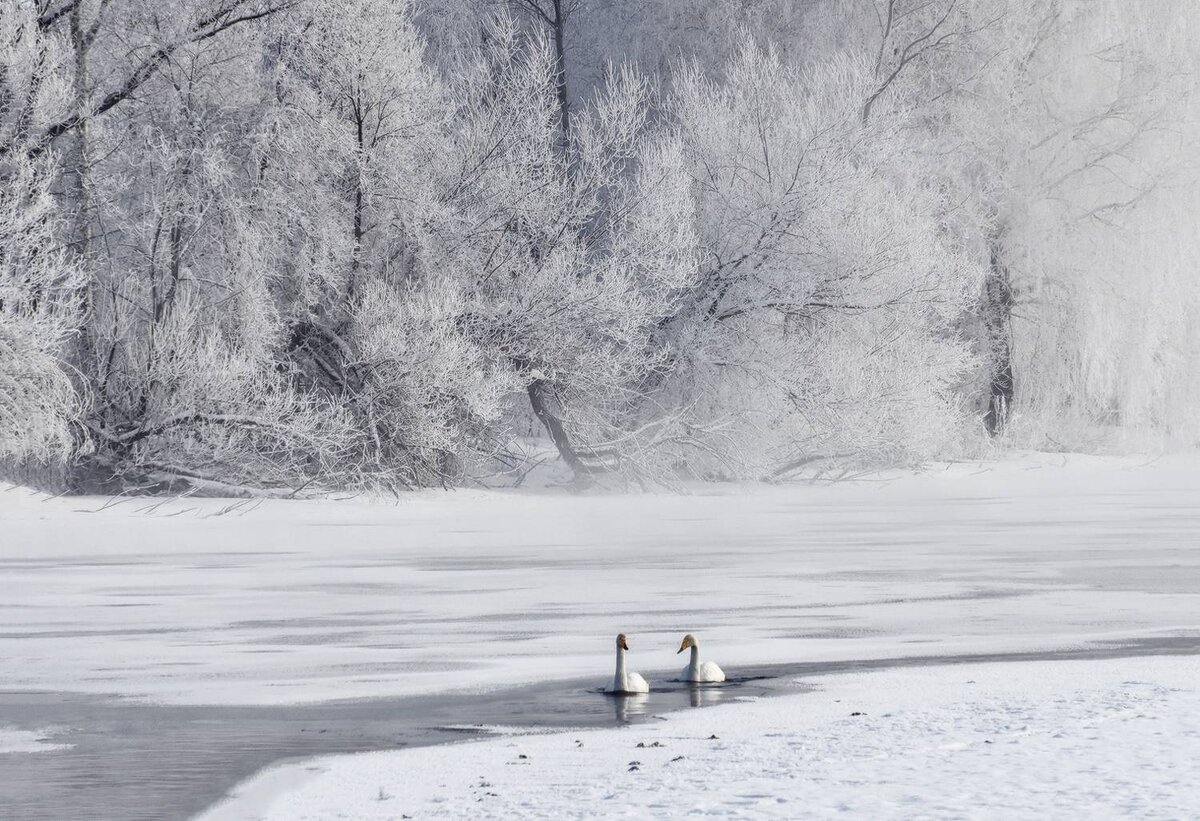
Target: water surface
[(133, 761)]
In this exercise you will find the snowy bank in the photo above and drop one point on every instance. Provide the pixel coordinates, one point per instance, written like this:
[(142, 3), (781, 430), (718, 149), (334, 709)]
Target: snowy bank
[(1111, 739)]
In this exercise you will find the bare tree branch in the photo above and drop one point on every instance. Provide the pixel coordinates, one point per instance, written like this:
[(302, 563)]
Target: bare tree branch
[(229, 15)]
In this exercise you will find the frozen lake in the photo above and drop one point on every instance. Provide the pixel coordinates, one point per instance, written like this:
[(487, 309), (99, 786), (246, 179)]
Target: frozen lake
[(189, 604), (309, 601)]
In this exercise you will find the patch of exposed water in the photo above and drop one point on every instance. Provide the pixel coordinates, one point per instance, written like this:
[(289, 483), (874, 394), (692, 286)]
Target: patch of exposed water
[(131, 761)]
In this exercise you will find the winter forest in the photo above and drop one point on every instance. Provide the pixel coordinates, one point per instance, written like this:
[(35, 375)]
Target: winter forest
[(266, 245)]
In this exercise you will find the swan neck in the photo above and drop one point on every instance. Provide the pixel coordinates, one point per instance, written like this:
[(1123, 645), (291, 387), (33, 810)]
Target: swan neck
[(694, 664), (619, 678)]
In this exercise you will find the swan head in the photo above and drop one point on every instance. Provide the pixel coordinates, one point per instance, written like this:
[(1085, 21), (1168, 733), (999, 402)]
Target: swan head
[(688, 641), (621, 642)]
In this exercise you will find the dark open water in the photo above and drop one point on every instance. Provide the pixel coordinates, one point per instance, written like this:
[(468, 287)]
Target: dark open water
[(135, 762)]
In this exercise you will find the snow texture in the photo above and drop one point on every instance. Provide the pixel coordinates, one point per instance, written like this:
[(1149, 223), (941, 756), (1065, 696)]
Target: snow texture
[(1112, 739), (191, 602), (28, 741)]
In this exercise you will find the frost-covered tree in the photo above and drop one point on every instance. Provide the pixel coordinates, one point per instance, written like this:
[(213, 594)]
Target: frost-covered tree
[(1055, 125), (1083, 137), (38, 403), (258, 242), (824, 320), (38, 282), (462, 256), (1058, 124), (569, 256), (356, 139), (175, 351)]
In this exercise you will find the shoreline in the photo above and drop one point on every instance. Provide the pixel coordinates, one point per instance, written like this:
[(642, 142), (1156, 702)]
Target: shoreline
[(445, 783), (192, 759)]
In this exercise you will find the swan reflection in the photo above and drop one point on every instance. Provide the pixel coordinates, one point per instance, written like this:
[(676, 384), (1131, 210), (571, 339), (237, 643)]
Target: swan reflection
[(701, 696), (626, 707)]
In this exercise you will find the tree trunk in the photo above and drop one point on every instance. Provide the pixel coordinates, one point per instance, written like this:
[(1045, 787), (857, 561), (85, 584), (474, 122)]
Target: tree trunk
[(997, 322), (359, 231), (560, 54), (82, 474), (539, 399), (539, 389), (81, 240)]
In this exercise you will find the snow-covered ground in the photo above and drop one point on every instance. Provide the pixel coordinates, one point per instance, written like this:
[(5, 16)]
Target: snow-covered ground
[(1081, 739), (193, 602)]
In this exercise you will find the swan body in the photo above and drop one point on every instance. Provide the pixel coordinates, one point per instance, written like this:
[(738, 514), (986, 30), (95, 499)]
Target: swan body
[(634, 683), (624, 681), (699, 672)]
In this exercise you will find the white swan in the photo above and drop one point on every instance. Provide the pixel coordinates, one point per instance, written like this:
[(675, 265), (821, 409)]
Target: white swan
[(708, 672), (624, 682)]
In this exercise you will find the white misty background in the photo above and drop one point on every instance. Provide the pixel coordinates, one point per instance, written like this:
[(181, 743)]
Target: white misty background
[(262, 245)]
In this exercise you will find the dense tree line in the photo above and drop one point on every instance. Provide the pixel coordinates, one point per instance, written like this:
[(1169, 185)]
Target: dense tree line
[(273, 243)]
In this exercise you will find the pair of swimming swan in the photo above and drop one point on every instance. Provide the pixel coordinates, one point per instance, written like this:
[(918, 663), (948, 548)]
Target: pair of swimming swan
[(696, 672)]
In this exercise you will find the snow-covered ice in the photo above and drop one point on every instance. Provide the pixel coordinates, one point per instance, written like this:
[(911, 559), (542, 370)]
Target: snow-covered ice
[(13, 741), (1112, 739), (300, 601)]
